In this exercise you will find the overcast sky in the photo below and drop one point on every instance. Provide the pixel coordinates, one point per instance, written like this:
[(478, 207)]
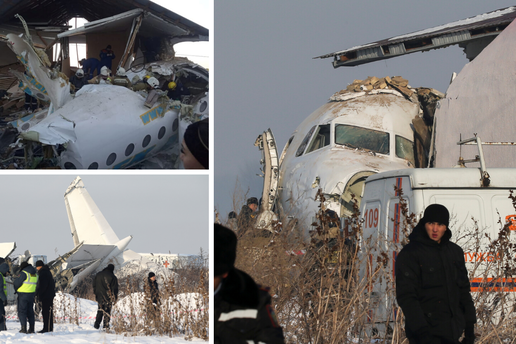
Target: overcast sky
[(266, 77), (163, 213)]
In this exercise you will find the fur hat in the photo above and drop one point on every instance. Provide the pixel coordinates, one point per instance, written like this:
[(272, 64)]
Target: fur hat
[(151, 274), (436, 213), (225, 243), (252, 200), (24, 265), (39, 263)]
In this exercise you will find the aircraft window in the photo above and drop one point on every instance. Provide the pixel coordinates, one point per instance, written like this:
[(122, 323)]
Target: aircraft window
[(129, 149), (69, 166), (405, 149), (146, 141), (25, 126), (111, 159), (175, 125), (302, 147), (161, 132), (356, 137), (203, 106), (93, 166), (320, 139)]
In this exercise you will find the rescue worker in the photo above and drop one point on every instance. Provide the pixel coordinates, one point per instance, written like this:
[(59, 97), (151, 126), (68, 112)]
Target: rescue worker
[(243, 310), (121, 78), (45, 293), (78, 80), (105, 288), (177, 90), (4, 269), (195, 146), (103, 78), (90, 66), (432, 285), (25, 286), (106, 57), (247, 216), (147, 84)]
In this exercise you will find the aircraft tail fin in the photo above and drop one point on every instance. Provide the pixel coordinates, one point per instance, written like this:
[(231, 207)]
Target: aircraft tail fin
[(87, 223)]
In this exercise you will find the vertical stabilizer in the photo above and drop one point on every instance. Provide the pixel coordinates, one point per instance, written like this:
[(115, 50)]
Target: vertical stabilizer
[(87, 223)]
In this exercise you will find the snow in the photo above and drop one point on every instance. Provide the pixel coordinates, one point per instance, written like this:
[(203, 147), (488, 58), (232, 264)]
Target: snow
[(71, 333)]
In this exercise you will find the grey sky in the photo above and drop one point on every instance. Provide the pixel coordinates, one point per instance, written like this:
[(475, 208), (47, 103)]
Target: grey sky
[(266, 77), (163, 213)]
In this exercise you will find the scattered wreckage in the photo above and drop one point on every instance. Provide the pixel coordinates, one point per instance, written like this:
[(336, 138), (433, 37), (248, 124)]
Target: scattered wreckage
[(104, 126)]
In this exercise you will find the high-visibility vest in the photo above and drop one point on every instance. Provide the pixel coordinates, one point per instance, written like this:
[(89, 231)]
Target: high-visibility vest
[(29, 285), (5, 284)]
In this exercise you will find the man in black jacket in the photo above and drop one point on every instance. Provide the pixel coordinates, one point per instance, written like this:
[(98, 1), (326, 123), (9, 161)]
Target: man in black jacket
[(45, 293), (243, 310), (105, 288), (432, 285)]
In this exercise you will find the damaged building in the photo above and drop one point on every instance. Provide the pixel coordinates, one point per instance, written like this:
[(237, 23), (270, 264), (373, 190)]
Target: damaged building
[(101, 126)]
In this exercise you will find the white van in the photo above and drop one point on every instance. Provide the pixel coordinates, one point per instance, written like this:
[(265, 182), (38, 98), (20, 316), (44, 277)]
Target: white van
[(478, 203)]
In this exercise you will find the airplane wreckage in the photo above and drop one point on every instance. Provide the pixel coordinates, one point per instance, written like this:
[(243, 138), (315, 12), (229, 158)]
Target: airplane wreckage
[(104, 126), (382, 124), (96, 245)]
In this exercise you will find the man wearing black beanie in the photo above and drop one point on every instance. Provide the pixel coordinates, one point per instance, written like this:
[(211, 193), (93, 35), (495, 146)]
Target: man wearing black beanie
[(195, 146), (243, 311), (432, 285)]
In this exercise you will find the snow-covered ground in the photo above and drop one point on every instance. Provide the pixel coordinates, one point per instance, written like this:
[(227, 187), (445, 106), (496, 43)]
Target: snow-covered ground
[(66, 332)]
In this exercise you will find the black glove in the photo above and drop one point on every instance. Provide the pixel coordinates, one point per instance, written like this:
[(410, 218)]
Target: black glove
[(469, 335)]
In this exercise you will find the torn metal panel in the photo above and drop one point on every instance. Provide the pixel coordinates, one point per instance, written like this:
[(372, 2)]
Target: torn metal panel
[(473, 30), (6, 248)]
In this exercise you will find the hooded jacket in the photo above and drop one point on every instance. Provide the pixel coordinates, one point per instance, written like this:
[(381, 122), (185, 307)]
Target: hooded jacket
[(3, 269), (18, 282), (432, 288), (243, 312)]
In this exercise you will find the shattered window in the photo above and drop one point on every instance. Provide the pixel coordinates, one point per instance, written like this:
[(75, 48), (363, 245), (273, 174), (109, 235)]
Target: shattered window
[(302, 147), (405, 149), (356, 137), (320, 139)]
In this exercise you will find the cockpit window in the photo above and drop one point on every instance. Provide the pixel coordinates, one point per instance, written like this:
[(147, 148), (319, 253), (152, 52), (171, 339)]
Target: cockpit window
[(405, 149), (303, 144), (320, 139), (356, 137)]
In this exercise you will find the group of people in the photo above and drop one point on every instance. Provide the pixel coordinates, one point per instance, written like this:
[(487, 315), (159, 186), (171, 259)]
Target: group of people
[(432, 289), (92, 65), (32, 285)]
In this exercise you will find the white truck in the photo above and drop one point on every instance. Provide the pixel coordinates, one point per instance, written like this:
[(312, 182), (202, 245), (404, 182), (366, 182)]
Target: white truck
[(479, 205)]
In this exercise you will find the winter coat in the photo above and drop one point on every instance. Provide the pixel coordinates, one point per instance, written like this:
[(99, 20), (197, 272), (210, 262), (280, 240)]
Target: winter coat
[(78, 82), (153, 290), (21, 277), (106, 57), (46, 286), (3, 270), (105, 286), (243, 312), (245, 219), (89, 66), (433, 289)]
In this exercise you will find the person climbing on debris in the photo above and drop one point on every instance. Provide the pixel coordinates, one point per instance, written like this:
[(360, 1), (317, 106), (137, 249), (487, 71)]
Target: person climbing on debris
[(25, 286), (4, 270), (247, 216), (106, 57), (243, 310), (90, 67), (432, 285), (195, 146), (77, 81), (105, 288), (45, 293), (177, 90), (103, 78)]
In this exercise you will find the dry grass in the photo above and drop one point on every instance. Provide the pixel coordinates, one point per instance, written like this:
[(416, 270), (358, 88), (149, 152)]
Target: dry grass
[(322, 296)]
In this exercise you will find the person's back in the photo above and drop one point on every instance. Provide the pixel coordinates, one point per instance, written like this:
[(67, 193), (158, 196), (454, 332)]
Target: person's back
[(243, 311), (106, 286)]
